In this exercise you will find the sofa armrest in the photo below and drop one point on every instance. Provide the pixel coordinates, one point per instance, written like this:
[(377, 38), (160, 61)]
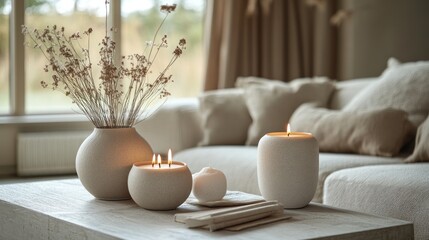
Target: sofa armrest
[(175, 125)]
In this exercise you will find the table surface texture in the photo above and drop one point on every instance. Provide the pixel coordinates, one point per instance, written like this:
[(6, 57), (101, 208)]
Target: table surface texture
[(63, 209)]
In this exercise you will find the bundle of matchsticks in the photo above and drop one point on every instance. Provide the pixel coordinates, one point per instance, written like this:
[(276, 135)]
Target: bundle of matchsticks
[(234, 218)]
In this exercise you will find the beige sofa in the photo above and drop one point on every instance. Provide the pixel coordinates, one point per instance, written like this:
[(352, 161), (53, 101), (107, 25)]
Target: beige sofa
[(379, 185)]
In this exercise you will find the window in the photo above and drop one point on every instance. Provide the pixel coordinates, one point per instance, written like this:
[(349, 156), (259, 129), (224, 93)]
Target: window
[(139, 22), (74, 16), (139, 19), (5, 7)]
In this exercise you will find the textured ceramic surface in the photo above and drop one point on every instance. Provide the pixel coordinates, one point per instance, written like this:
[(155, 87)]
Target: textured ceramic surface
[(159, 188), (105, 158), (288, 168), (209, 184)]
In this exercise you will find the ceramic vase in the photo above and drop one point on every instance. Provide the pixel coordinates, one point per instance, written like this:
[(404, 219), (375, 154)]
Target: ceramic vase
[(288, 168), (105, 158)]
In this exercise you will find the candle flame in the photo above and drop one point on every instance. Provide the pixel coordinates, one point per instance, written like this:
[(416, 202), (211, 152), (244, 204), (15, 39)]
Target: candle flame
[(153, 159), (170, 158), (159, 161), (288, 129)]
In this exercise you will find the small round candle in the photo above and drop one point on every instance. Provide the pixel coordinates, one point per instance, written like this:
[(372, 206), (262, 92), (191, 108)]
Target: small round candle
[(209, 185), (160, 186)]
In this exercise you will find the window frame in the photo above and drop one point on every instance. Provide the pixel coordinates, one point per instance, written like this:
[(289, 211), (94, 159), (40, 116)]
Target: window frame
[(16, 60), (17, 93)]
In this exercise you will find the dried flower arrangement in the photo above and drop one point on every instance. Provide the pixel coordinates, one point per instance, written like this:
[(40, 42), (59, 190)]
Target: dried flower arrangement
[(124, 92)]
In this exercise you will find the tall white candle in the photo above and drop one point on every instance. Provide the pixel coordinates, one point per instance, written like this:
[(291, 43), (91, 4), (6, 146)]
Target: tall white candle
[(287, 167)]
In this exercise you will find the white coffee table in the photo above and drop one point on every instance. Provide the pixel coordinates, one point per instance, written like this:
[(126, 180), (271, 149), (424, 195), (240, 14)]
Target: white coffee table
[(63, 209)]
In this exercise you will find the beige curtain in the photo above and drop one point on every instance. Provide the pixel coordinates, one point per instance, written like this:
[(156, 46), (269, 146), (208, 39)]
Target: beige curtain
[(275, 39)]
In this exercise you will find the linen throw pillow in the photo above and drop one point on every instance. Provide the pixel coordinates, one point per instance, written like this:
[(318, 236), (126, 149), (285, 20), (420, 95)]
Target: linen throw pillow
[(401, 86), (380, 132), (225, 117), (243, 82), (421, 150), (271, 105)]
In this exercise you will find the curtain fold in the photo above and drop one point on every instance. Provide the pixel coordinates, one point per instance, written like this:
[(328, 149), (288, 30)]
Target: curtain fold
[(275, 39)]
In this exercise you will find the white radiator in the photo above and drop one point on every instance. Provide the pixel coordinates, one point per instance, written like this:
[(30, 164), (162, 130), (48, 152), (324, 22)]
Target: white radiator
[(48, 153)]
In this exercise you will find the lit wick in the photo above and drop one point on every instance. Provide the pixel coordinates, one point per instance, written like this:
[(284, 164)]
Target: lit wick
[(159, 161), (170, 158), (288, 129), (153, 160)]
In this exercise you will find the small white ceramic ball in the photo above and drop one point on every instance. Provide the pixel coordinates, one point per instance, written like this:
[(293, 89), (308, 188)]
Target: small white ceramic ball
[(209, 185)]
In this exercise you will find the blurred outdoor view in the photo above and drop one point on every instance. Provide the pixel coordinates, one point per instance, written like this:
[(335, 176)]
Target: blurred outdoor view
[(140, 18), (4, 56)]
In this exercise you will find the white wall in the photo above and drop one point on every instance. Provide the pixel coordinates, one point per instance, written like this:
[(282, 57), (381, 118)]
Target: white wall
[(379, 29)]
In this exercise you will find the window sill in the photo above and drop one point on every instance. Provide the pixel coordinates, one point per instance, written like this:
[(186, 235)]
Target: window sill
[(51, 118)]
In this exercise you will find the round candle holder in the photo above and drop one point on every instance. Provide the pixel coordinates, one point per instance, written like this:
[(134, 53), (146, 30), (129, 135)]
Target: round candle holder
[(155, 188), (288, 168)]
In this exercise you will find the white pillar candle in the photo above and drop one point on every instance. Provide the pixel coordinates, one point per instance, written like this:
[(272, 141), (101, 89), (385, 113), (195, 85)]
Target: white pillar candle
[(288, 167), (209, 185)]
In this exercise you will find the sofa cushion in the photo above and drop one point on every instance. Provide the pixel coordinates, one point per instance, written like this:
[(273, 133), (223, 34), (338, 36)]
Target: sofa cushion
[(380, 132), (271, 106), (402, 86), (345, 91), (332, 162), (341, 96), (398, 191), (175, 125), (243, 82), (421, 150), (238, 163), (225, 118)]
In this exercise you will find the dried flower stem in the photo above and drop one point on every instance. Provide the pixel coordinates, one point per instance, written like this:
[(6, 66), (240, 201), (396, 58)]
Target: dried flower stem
[(124, 92)]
